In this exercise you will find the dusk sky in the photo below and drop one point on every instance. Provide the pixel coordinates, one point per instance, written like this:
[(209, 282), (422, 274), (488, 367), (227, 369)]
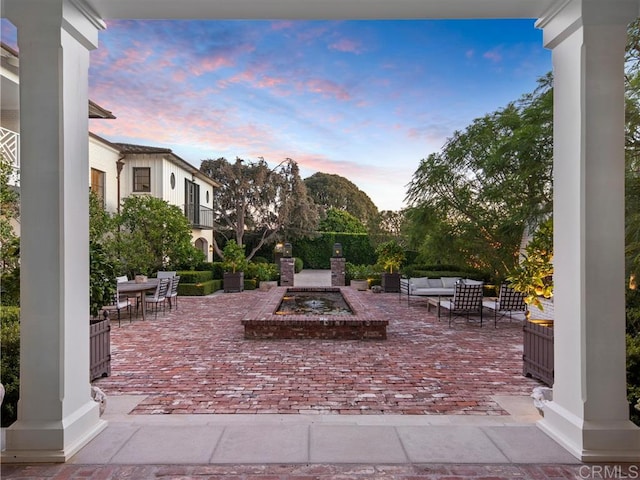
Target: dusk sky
[(363, 99)]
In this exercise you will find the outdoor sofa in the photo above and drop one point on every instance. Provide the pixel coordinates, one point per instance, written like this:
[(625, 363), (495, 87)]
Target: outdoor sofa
[(427, 287)]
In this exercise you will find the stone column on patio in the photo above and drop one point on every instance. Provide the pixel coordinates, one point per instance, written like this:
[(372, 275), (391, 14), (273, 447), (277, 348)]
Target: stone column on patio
[(56, 415), (589, 414), (338, 271), (287, 272)]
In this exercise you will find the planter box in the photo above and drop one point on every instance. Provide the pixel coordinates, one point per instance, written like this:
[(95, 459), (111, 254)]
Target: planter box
[(359, 284), (233, 282), (537, 357), (391, 282), (99, 348)]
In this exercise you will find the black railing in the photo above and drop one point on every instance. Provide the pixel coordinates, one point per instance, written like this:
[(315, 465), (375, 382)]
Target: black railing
[(199, 216)]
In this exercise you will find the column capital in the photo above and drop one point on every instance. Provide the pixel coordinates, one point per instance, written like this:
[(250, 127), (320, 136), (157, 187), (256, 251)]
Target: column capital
[(76, 17), (564, 17)]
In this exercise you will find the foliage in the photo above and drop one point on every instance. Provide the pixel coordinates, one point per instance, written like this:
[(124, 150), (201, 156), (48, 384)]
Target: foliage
[(390, 255), (254, 198), (471, 201), (234, 257), (199, 289), (633, 374), (534, 275), (298, 264), (317, 252), (10, 362), (341, 221), (262, 271), (194, 276), (336, 192), (153, 235), (9, 241), (359, 272), (102, 287), (390, 225)]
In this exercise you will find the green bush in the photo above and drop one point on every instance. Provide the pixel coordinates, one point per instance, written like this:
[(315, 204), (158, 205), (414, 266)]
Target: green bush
[(191, 276), (298, 265), (317, 252), (262, 272), (250, 284), (10, 283), (199, 289), (633, 375), (10, 362)]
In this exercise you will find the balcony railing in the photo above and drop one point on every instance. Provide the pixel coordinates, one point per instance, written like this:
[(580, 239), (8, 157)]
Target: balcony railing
[(199, 216), (10, 150)]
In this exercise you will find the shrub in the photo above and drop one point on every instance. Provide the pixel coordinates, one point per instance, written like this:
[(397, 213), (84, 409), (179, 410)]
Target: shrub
[(10, 362), (189, 276), (250, 284), (298, 265), (199, 289), (10, 283), (234, 257), (262, 272)]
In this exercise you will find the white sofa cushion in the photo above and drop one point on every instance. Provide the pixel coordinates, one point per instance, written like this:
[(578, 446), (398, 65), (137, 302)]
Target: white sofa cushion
[(449, 282), (435, 283), (419, 282), (468, 281), (433, 292)]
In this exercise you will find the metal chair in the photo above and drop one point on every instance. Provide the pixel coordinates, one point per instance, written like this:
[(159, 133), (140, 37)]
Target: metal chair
[(159, 296), (172, 291), (467, 300), (118, 303), (508, 302)]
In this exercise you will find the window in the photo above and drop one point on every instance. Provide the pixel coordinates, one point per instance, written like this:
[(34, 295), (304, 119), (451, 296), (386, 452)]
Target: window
[(142, 179), (192, 201), (97, 183), (172, 180)]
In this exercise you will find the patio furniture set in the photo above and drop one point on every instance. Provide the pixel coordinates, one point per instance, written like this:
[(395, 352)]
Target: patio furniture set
[(143, 292), (464, 297)]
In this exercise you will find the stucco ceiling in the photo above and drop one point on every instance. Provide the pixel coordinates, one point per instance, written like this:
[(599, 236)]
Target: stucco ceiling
[(320, 9)]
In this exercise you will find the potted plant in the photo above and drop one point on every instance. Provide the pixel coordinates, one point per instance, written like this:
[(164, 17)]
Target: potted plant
[(534, 278), (390, 257), (234, 264), (358, 275)]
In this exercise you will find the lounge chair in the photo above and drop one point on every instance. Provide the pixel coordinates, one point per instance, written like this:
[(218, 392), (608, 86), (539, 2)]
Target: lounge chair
[(467, 300), (509, 302)]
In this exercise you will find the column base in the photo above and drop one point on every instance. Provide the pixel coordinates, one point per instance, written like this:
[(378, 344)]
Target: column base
[(612, 441), (52, 441)]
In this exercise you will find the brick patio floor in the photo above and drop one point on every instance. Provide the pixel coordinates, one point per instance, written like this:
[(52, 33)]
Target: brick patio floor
[(195, 360)]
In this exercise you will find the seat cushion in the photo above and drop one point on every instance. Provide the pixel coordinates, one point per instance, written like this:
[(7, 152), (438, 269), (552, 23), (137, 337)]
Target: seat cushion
[(449, 282), (419, 282), (434, 292), (435, 283)]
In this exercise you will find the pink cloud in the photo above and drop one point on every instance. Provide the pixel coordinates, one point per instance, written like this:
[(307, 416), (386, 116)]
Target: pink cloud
[(327, 88), (210, 64), (282, 25), (346, 45), (494, 55)]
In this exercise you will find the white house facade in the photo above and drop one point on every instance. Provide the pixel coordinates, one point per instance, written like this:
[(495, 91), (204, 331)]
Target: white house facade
[(589, 414)]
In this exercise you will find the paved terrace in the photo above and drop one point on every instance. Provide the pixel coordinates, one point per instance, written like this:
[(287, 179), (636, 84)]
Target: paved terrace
[(189, 398)]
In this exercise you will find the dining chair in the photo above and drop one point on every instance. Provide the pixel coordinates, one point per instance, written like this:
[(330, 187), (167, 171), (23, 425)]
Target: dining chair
[(172, 291), (118, 303), (159, 296)]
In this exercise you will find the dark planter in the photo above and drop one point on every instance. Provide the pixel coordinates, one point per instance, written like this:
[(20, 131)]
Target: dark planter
[(537, 357), (391, 282), (233, 282), (100, 348)]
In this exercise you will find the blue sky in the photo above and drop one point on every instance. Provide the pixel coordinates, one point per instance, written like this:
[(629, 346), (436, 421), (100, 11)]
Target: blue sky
[(363, 99)]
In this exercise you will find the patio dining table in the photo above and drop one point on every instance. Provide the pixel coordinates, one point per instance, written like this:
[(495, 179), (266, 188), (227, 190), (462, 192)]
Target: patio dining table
[(133, 289)]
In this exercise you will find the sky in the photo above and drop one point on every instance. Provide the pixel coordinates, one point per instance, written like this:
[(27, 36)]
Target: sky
[(366, 100)]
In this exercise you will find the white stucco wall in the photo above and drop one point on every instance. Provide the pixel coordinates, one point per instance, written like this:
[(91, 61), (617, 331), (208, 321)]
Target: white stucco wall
[(103, 157)]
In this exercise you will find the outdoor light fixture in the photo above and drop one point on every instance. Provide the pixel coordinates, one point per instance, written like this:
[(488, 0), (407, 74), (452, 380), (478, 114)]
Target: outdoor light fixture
[(337, 250), (286, 252)]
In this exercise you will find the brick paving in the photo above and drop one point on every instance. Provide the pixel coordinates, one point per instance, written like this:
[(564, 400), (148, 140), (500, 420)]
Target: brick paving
[(195, 360), (318, 472)]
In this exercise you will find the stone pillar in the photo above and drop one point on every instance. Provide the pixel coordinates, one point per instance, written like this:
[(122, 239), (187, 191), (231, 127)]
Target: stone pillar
[(287, 272), (589, 414), (56, 415), (337, 271)]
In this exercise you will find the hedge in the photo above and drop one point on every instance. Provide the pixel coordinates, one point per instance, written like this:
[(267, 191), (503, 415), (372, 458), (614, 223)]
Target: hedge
[(194, 276), (317, 252), (199, 289)]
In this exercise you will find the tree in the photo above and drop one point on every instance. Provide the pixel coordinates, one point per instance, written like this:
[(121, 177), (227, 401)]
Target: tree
[(487, 183), (256, 199), (9, 241), (334, 191), (153, 235), (341, 221)]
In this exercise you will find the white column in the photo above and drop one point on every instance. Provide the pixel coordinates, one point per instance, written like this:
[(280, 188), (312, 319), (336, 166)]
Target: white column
[(56, 415), (589, 414)]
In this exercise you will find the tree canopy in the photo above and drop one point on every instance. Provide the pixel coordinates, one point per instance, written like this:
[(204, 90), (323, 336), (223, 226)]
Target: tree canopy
[(471, 201), (333, 191), (269, 203), (340, 221)]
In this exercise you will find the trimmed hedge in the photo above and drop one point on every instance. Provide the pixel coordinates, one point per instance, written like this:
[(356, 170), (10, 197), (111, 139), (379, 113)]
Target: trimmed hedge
[(194, 276), (317, 252), (250, 284), (199, 289)]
